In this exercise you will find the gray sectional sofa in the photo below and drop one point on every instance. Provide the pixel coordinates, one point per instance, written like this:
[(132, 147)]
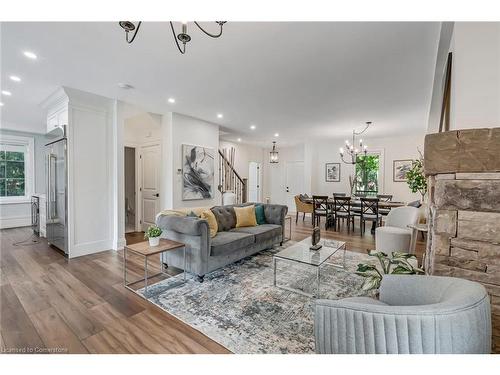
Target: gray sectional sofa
[(205, 254)]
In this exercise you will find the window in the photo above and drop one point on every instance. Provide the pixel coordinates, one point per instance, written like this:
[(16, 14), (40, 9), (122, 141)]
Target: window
[(367, 174), (16, 168)]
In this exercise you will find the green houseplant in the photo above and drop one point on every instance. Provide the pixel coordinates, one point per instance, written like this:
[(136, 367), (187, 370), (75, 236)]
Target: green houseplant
[(416, 178), (153, 235), (397, 263)]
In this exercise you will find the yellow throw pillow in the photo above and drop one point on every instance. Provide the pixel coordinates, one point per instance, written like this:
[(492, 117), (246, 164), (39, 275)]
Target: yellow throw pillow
[(209, 216), (245, 216)]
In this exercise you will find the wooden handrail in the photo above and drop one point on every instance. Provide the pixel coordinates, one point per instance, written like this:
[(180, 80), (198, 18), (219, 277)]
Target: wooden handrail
[(230, 166), (230, 180)]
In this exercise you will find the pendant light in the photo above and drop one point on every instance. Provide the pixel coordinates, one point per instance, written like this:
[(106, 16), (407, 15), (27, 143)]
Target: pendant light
[(273, 155)]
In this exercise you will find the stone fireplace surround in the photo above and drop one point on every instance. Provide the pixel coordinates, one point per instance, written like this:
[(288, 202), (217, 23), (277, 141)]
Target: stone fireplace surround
[(463, 170)]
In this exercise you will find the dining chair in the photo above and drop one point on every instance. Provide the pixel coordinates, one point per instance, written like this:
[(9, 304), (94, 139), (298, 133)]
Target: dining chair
[(322, 208), (384, 197), (302, 207), (339, 195), (342, 210), (369, 212)]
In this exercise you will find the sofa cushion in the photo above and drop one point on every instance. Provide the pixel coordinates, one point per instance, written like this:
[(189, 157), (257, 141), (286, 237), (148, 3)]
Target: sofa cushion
[(225, 216), (226, 242), (262, 232)]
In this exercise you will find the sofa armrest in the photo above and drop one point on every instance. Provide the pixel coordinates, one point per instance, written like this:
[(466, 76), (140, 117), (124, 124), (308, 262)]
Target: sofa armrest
[(193, 232), (275, 213)]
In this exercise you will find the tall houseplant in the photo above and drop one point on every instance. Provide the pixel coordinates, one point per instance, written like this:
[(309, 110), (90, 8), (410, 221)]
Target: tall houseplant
[(416, 178)]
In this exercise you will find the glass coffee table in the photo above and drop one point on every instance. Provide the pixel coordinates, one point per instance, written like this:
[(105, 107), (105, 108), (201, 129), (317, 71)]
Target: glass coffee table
[(300, 253)]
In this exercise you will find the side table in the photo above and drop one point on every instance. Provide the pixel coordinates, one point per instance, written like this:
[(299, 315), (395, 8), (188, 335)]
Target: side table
[(289, 218), (143, 249)]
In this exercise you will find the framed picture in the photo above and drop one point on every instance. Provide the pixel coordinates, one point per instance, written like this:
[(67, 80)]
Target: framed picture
[(332, 172), (197, 172), (400, 168)]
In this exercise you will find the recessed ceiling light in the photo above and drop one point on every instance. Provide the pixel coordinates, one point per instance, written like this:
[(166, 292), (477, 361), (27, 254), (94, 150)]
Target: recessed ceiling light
[(220, 115), (239, 139), (1, 104), (171, 100), (125, 86), (253, 127), (30, 55), (15, 78), (6, 93), (276, 134)]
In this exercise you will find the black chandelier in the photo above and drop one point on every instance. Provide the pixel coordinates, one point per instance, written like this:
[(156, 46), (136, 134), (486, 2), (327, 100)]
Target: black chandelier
[(183, 37)]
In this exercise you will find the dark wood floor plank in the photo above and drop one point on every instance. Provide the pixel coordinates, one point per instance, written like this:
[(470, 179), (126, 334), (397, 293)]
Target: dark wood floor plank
[(66, 282), (31, 296), (71, 310), (133, 338), (17, 328), (54, 332), (104, 343)]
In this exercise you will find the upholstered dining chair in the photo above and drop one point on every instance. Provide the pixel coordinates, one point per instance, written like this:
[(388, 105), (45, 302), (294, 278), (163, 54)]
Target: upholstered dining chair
[(396, 235), (369, 212), (322, 208), (302, 207), (339, 195), (413, 315), (384, 197)]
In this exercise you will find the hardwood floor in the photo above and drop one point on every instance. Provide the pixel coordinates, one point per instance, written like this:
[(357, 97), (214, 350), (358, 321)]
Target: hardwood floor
[(52, 304)]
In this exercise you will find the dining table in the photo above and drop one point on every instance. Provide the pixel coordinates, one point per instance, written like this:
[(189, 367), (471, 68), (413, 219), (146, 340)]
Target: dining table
[(384, 206)]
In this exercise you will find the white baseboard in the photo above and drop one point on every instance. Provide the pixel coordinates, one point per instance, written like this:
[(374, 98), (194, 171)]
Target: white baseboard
[(15, 222), (120, 244), (89, 248)]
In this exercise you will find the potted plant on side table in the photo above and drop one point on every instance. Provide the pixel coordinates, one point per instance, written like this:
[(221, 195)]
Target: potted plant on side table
[(153, 235)]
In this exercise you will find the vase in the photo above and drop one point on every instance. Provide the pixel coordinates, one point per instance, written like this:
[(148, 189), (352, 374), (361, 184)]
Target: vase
[(154, 241)]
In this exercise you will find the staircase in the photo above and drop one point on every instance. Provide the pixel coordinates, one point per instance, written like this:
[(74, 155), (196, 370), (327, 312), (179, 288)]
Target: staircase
[(229, 179)]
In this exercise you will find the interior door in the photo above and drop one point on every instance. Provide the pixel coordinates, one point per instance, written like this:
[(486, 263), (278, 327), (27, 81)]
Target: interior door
[(150, 189), (254, 183), (294, 182)]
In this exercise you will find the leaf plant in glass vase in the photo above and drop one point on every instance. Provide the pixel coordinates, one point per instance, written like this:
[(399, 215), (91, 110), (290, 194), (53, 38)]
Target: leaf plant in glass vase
[(416, 178), (153, 235), (398, 263)]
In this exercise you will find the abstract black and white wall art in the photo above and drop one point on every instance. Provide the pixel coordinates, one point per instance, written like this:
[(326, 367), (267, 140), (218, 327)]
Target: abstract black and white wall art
[(197, 172)]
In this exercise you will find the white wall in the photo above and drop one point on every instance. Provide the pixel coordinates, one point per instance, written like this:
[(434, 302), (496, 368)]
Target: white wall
[(475, 84), (394, 148), (193, 131), (91, 161), (19, 214), (475, 94), (275, 174), (316, 153)]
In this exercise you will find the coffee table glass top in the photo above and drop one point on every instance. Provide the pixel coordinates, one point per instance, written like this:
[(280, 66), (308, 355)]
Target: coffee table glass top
[(300, 251)]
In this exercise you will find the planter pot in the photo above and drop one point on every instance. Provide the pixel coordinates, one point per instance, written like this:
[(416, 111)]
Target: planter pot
[(154, 241)]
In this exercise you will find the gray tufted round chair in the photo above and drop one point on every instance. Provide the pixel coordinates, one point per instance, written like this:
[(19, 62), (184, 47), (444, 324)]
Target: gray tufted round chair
[(415, 314)]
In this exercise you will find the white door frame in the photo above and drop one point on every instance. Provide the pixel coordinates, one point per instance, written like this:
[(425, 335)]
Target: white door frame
[(138, 170)]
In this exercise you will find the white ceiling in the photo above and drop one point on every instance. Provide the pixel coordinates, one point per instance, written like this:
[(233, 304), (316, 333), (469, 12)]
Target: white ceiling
[(298, 79)]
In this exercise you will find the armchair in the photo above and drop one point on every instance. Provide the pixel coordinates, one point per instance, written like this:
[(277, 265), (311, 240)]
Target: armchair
[(414, 315)]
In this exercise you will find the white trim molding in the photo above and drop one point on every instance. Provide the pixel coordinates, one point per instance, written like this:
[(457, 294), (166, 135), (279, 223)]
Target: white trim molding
[(29, 165)]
